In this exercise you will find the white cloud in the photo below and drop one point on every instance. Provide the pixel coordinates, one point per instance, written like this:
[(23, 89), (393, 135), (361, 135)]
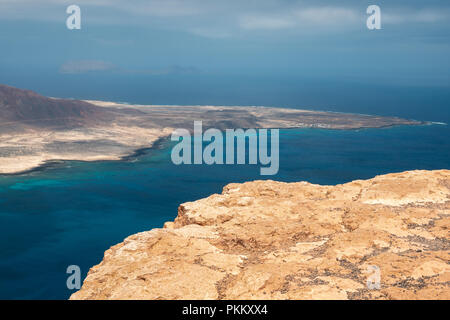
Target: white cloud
[(304, 17), (327, 15), (221, 18), (210, 33), (266, 22), (420, 16), (160, 8)]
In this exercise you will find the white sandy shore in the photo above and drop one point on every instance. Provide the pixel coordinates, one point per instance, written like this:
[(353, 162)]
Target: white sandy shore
[(32, 147)]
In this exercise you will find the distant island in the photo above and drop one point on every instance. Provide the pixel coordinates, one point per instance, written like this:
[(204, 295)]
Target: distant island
[(36, 130)]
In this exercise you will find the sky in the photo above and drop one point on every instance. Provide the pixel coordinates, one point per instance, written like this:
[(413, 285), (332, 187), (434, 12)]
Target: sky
[(262, 38)]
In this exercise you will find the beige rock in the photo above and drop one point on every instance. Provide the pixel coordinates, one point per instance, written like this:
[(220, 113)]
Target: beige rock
[(275, 240)]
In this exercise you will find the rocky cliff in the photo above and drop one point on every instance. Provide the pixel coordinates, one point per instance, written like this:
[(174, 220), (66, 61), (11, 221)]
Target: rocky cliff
[(274, 240)]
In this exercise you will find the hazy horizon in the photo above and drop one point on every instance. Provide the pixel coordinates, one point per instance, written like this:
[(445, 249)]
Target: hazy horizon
[(311, 39)]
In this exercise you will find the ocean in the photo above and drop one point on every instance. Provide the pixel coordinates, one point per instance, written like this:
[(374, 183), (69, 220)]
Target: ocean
[(71, 212)]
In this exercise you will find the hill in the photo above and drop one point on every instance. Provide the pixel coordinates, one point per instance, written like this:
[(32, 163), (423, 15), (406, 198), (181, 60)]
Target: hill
[(25, 108)]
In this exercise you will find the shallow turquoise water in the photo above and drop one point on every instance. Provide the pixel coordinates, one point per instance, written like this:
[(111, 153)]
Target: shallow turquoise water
[(71, 213)]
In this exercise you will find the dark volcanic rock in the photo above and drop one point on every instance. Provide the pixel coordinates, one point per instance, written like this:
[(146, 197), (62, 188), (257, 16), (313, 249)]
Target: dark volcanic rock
[(25, 107)]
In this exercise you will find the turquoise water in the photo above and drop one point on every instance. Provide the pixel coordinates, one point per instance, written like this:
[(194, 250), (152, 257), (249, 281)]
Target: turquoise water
[(71, 213)]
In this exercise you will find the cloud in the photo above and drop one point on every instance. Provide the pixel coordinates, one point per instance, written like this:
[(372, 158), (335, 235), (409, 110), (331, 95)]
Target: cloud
[(85, 66), (217, 19), (210, 33), (420, 16), (328, 16), (266, 22), (311, 17)]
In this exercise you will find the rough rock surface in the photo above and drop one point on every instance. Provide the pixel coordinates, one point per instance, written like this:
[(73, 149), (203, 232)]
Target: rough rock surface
[(274, 240)]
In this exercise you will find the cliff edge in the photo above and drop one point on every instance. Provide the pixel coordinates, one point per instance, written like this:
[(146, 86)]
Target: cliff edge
[(274, 240)]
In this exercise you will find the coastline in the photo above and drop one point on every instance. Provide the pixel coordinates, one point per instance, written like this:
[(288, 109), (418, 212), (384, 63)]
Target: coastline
[(135, 129), (252, 241), (56, 163), (158, 143), (150, 205)]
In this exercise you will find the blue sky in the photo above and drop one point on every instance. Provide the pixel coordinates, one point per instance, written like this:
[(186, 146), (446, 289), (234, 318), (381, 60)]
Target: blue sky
[(316, 39)]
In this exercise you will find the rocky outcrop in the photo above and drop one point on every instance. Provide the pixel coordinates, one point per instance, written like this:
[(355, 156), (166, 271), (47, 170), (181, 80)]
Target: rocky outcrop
[(274, 240)]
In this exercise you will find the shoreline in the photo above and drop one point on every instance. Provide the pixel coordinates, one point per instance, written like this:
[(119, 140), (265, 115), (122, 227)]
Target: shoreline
[(159, 143), (156, 145), (251, 241), (55, 163), (132, 131)]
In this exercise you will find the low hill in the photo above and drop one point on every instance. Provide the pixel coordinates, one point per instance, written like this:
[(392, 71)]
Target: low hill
[(20, 107)]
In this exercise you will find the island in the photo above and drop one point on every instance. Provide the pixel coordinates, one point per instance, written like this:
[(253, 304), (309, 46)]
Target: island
[(37, 130)]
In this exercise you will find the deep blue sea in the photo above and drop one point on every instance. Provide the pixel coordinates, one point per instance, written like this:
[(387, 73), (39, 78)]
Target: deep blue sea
[(71, 213)]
